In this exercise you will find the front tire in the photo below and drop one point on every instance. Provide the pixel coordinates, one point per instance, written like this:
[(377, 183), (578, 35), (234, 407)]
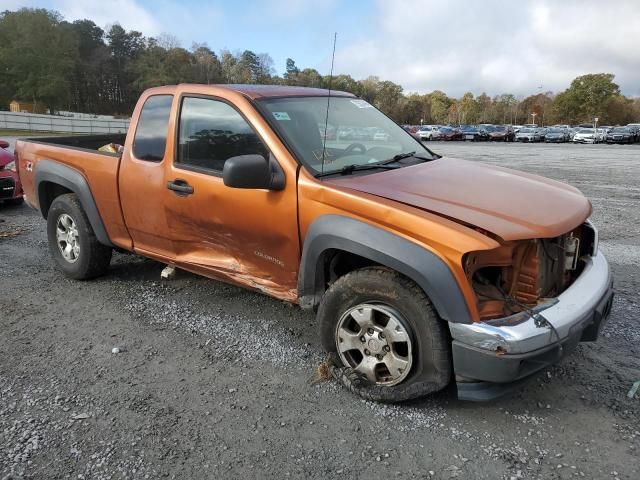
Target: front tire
[(72, 241), (388, 339)]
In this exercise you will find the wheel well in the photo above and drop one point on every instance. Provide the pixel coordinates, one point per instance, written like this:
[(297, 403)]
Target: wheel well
[(47, 193), (336, 263)]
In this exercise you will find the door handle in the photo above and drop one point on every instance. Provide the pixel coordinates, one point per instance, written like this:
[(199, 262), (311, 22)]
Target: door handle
[(181, 187)]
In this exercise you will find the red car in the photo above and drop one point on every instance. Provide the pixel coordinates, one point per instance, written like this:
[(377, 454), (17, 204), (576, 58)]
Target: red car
[(448, 133), (10, 186)]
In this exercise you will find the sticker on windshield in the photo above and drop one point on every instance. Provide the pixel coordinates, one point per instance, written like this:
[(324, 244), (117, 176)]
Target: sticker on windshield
[(361, 104), (281, 116)]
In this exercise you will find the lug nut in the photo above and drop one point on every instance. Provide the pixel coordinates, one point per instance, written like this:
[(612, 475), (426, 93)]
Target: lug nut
[(362, 339), (381, 335), (367, 352), (386, 348), (379, 357), (370, 331)]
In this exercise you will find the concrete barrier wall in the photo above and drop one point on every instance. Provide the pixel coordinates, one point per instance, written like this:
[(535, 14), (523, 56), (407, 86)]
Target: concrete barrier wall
[(51, 123)]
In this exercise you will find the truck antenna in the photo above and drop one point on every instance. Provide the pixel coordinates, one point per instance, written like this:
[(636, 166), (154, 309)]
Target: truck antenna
[(326, 118)]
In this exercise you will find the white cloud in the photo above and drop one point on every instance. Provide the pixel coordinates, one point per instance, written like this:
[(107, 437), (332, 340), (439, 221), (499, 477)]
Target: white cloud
[(128, 13), (497, 46)]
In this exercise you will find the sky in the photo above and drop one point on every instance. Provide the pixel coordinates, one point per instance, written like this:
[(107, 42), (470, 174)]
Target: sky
[(493, 46)]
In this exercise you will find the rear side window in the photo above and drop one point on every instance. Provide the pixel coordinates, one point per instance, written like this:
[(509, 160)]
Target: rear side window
[(151, 134), (211, 132)]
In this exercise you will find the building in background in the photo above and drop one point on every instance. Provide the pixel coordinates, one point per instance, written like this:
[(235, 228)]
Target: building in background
[(26, 107)]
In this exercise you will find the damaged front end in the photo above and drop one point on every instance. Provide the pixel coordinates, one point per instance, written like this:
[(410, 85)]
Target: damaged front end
[(521, 275), (537, 299)]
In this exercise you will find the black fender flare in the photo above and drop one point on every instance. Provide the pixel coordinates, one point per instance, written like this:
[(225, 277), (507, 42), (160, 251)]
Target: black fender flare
[(425, 268), (71, 179)]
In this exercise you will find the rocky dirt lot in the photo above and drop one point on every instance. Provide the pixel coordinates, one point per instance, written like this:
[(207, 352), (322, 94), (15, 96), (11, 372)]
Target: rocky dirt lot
[(214, 382)]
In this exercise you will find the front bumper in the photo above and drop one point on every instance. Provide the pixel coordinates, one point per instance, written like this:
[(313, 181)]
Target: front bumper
[(510, 349), (10, 187)]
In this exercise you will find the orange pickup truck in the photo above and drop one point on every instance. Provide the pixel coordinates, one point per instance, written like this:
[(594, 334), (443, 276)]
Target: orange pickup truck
[(423, 270)]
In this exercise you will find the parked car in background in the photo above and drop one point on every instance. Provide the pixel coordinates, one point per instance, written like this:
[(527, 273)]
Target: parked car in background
[(620, 135), (572, 132), (527, 134), (330, 132), (354, 133), (380, 136), (502, 133), (635, 128), (10, 186), (473, 133), (449, 133), (428, 132), (585, 135), (601, 134), (517, 128), (557, 135), (542, 133)]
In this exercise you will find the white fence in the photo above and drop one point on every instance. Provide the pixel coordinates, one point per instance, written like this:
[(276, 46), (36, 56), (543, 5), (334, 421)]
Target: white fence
[(52, 123)]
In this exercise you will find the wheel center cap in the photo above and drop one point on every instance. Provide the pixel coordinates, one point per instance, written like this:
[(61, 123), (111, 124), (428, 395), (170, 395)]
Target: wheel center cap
[(374, 345)]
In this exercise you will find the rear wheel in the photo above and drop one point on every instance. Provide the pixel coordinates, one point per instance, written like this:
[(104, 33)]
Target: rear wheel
[(72, 242), (389, 342)]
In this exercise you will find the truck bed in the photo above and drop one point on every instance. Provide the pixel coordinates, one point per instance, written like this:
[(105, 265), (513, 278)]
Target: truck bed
[(79, 153), (84, 142)]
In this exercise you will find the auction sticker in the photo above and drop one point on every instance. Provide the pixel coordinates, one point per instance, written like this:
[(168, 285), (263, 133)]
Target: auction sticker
[(281, 116)]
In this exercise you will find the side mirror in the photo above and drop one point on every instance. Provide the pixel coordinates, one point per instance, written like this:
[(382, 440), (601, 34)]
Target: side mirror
[(252, 171), (4, 144)]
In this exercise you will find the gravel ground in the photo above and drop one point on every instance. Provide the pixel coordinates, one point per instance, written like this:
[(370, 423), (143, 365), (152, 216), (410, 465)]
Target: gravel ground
[(214, 382)]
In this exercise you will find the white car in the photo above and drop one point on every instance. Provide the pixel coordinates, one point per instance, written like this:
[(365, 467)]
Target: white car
[(428, 132), (585, 135), (380, 136), (528, 135)]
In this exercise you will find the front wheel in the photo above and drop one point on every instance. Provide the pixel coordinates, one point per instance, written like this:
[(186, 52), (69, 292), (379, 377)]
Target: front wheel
[(72, 242), (388, 339)]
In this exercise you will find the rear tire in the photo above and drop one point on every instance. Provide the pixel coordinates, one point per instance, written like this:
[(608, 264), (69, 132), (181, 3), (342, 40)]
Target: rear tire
[(72, 241), (396, 301)]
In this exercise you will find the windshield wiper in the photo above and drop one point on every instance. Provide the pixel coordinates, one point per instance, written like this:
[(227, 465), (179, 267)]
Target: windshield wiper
[(348, 169), (401, 156)]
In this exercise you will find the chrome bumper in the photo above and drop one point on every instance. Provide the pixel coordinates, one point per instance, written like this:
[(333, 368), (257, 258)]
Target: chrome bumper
[(574, 307)]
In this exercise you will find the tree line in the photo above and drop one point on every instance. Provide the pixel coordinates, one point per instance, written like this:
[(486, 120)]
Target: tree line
[(78, 66)]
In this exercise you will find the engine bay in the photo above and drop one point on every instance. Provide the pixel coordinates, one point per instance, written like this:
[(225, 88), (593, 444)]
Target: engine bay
[(519, 275)]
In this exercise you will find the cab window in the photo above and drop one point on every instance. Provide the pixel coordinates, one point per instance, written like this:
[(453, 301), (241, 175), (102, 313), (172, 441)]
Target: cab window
[(210, 132), (150, 140)]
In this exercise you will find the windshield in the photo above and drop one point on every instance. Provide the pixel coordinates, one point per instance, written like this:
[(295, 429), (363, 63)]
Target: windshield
[(620, 130), (556, 130), (500, 128), (586, 130), (526, 130), (363, 134)]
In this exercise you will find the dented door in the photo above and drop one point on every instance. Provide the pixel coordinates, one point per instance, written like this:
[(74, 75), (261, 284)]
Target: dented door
[(249, 237)]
